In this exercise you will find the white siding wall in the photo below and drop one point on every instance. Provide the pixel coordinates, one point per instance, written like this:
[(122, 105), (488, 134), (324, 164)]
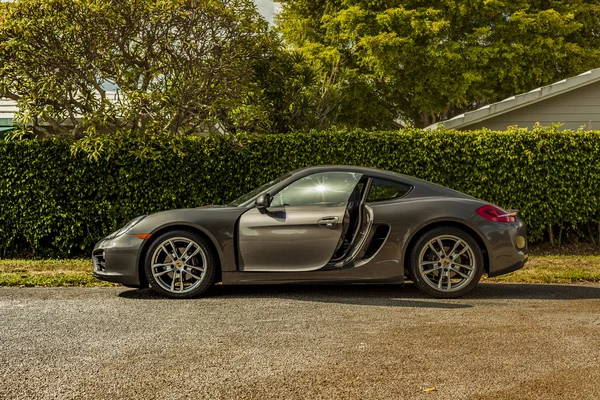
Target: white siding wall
[(579, 107), (8, 108)]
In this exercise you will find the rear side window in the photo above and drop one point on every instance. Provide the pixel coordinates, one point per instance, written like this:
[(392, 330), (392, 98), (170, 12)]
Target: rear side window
[(382, 189)]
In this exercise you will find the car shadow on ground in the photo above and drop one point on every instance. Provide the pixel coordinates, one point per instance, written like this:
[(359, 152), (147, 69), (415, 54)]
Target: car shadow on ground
[(369, 295), (390, 295)]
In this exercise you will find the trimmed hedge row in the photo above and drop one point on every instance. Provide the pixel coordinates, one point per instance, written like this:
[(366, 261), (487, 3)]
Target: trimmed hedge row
[(58, 204)]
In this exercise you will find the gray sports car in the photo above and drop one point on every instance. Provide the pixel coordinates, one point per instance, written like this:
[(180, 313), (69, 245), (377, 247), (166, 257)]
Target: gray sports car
[(320, 224)]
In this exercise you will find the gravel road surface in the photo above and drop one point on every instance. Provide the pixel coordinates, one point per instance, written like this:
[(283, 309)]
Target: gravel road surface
[(503, 341)]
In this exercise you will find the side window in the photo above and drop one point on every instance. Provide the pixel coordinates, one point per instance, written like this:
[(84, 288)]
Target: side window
[(382, 189), (325, 188)]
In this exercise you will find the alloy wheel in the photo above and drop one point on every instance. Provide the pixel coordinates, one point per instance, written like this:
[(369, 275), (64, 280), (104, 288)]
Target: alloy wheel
[(447, 263), (178, 265)]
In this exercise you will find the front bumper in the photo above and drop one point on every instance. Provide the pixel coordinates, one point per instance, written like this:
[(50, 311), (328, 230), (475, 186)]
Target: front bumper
[(116, 260), (508, 250)]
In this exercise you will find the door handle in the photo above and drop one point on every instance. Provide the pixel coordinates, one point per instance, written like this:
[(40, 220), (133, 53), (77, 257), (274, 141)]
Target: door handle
[(328, 222)]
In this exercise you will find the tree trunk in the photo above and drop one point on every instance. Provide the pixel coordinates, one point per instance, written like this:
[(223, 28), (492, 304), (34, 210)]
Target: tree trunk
[(424, 120), (551, 235), (589, 226), (560, 231)]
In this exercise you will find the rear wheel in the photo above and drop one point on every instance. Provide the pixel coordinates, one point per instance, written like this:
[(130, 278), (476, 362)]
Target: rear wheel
[(180, 264), (446, 262)]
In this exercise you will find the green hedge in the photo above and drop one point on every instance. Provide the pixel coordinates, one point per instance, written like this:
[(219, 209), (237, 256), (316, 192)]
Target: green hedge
[(56, 203)]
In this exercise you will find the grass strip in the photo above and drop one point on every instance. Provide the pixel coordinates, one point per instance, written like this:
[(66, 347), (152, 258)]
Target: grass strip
[(539, 269), (556, 269), (49, 273)]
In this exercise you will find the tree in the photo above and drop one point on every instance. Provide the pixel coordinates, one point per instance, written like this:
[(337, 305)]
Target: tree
[(423, 61), (303, 93), (178, 65)]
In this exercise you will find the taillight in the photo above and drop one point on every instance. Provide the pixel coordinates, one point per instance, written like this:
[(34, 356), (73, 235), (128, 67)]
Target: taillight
[(496, 214)]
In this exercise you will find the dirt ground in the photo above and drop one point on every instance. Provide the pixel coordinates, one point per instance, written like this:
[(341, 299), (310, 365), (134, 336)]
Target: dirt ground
[(503, 341)]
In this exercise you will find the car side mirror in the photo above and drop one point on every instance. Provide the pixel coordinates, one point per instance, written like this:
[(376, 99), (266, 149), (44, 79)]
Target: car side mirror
[(263, 201)]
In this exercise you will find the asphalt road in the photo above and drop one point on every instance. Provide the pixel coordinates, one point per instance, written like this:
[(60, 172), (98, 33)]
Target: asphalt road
[(340, 342)]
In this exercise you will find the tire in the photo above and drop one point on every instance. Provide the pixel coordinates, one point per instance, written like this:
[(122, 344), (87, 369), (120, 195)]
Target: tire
[(450, 273), (189, 273)]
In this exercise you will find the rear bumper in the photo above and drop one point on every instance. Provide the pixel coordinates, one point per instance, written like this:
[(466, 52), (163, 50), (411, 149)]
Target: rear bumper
[(508, 249), (116, 260), (510, 268)]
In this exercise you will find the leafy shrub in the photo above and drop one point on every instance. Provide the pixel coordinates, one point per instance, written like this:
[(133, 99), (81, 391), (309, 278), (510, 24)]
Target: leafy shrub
[(54, 202)]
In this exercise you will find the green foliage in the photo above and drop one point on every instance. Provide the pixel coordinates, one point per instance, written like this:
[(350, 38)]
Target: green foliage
[(57, 203), (179, 65), (425, 61)]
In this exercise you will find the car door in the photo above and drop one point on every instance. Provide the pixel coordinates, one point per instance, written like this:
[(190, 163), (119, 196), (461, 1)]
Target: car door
[(301, 229)]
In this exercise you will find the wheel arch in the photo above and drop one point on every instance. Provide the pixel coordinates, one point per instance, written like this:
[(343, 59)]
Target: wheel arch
[(173, 227), (448, 223)]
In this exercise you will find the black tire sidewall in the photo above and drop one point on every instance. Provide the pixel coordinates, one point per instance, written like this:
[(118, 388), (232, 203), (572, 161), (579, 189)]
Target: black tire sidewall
[(424, 240), (210, 268)]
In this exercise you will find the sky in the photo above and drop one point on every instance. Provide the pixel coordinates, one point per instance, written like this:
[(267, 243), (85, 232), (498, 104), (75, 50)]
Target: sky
[(266, 8)]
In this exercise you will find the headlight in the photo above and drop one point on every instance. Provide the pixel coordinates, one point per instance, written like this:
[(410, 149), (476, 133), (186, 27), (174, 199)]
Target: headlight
[(127, 227)]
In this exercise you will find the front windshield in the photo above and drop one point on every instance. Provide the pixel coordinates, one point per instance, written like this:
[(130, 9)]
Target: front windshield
[(244, 200)]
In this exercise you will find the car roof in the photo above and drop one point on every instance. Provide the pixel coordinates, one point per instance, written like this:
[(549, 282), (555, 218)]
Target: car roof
[(374, 172)]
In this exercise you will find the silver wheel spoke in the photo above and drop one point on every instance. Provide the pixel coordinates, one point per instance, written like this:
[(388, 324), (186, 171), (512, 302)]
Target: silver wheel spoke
[(161, 273), (465, 276), (439, 242), (462, 252), (187, 249), (174, 248), (468, 267), (181, 280), (192, 275), (169, 255), (449, 284), (192, 255), (428, 262), (458, 243), (440, 281), (173, 283), (161, 265), (435, 251), (432, 270), (201, 269)]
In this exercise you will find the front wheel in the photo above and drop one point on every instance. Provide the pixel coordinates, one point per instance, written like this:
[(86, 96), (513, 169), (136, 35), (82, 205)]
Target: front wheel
[(180, 264), (446, 262)]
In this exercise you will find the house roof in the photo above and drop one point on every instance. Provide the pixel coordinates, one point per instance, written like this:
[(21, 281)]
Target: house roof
[(520, 100)]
